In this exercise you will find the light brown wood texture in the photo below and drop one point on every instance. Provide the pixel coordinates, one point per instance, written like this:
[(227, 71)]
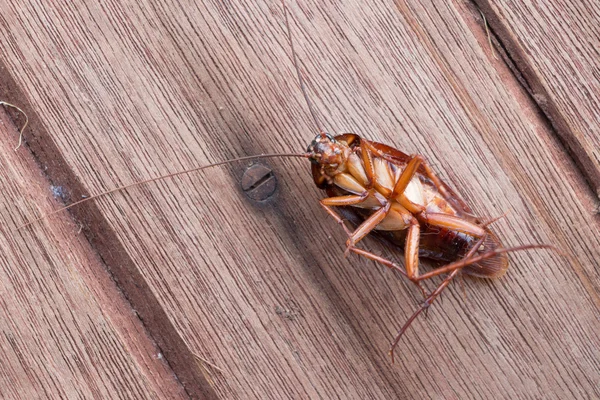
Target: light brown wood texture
[(123, 91), (66, 331), (557, 47)]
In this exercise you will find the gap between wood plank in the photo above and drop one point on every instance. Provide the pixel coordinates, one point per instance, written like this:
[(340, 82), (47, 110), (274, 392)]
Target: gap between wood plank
[(549, 113), (118, 264), (568, 158)]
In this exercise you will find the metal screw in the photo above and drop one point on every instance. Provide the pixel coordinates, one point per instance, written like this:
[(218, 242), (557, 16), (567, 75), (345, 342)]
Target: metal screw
[(259, 182)]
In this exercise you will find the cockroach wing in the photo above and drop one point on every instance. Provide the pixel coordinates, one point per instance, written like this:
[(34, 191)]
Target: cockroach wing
[(493, 267)]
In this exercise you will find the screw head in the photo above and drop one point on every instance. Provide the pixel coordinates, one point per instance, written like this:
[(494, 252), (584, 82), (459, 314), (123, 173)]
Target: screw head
[(259, 182)]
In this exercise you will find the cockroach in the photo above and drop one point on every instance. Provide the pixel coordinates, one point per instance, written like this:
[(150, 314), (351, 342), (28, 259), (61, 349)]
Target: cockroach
[(384, 190)]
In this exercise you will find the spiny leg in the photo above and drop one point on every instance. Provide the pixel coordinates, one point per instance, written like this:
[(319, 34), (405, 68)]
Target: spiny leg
[(413, 237), (399, 187), (374, 219), (418, 161), (352, 248), (351, 200), (412, 246), (435, 179), (430, 299), (388, 263), (411, 253), (421, 162), (367, 226), (407, 175), (335, 216), (469, 260), (374, 257), (454, 269), (413, 242)]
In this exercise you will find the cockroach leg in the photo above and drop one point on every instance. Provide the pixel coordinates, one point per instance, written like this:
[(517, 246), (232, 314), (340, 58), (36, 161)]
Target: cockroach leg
[(412, 240), (491, 221), (340, 201), (388, 263), (453, 223), (469, 259), (410, 170), (411, 249), (430, 299), (368, 225), (437, 182), (454, 269), (407, 175), (424, 306), (349, 200), (335, 216), (327, 205), (366, 153), (372, 256)]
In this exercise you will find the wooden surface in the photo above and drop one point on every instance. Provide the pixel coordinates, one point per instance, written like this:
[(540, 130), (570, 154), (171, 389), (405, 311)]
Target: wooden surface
[(557, 47), (122, 91), (66, 331)]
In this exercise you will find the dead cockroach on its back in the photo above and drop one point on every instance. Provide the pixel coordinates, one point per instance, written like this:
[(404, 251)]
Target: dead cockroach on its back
[(399, 195)]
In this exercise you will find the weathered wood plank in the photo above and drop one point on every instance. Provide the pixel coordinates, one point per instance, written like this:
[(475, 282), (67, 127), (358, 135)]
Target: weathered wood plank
[(556, 45), (65, 330), (128, 90)]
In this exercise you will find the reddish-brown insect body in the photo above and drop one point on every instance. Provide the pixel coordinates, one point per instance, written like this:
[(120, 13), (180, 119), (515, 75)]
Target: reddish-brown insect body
[(446, 238)]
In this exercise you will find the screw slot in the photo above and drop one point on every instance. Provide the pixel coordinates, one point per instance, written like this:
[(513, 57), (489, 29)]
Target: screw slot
[(259, 182)]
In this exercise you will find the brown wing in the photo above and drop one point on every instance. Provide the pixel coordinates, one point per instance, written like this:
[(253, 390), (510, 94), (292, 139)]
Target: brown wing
[(493, 267)]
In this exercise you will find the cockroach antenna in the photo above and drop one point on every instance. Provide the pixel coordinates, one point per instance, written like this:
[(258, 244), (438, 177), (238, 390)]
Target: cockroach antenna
[(158, 178), (295, 59)]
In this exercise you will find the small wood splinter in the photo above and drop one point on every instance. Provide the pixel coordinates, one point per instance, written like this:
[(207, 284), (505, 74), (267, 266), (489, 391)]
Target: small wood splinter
[(4, 103)]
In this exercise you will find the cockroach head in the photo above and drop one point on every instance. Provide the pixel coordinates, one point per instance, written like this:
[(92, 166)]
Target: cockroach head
[(325, 150)]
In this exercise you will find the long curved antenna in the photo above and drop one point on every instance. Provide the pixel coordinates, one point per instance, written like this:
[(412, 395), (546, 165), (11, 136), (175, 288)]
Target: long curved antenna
[(302, 84), (158, 178)]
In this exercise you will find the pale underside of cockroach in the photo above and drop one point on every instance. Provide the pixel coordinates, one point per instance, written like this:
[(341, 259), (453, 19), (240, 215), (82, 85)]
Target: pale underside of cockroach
[(448, 229)]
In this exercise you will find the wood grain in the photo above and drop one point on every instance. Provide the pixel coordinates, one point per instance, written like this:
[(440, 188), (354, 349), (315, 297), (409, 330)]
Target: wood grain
[(66, 331), (557, 48), (129, 90)]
